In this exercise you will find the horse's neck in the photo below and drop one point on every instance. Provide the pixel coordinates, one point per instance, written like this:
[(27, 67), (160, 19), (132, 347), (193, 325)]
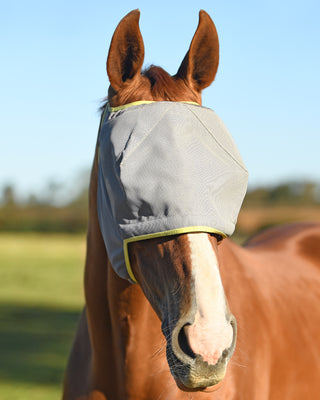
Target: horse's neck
[(137, 341)]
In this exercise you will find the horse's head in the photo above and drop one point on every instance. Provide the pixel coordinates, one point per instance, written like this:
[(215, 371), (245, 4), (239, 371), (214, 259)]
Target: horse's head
[(179, 273)]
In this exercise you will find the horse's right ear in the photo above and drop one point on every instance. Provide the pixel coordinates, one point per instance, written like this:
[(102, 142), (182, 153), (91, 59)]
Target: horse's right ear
[(126, 51), (199, 67)]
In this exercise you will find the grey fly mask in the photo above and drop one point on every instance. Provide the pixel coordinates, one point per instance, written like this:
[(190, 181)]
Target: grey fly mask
[(165, 168)]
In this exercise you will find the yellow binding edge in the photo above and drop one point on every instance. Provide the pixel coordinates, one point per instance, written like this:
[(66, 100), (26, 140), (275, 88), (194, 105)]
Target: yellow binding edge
[(178, 231), (137, 103)]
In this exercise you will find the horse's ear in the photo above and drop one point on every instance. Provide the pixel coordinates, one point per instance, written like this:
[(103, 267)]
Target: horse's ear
[(199, 66), (126, 51)]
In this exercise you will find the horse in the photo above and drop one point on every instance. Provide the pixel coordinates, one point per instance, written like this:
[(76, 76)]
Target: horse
[(207, 319)]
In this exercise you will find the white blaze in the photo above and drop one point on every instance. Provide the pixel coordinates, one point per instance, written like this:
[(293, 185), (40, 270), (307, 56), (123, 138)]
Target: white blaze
[(210, 333)]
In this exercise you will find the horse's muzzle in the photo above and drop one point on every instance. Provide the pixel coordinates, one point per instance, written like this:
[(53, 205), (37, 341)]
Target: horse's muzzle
[(189, 370)]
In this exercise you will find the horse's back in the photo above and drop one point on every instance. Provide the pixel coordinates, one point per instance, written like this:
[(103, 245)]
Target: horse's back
[(302, 233), (274, 291)]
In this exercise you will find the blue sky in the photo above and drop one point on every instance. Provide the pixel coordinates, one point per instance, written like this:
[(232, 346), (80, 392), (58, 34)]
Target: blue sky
[(53, 79)]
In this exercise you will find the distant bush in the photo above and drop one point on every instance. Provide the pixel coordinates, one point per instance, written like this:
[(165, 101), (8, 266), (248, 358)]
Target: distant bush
[(293, 193), (43, 219), (40, 216)]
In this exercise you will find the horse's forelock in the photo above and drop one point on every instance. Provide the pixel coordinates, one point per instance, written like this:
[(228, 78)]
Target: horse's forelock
[(166, 87)]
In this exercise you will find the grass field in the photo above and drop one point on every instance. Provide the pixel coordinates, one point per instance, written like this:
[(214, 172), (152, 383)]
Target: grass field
[(41, 297)]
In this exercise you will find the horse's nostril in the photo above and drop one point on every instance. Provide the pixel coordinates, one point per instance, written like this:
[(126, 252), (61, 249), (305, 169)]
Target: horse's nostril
[(184, 344), (225, 353)]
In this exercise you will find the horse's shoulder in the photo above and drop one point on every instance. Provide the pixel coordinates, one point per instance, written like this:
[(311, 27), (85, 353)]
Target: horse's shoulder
[(287, 253)]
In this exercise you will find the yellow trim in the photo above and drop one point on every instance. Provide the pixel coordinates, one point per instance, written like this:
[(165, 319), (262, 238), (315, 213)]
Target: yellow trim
[(137, 103), (179, 231)]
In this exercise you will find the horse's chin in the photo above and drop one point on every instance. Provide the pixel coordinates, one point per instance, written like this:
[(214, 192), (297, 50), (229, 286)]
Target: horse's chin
[(198, 376), (206, 389)]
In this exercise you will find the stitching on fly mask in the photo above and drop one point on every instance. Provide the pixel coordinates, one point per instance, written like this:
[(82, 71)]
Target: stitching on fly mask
[(165, 168)]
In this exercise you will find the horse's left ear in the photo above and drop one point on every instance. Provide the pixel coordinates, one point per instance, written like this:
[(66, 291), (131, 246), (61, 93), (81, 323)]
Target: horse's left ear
[(126, 51), (200, 65)]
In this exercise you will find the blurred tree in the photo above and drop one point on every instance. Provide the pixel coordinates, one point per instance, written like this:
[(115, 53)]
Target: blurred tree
[(8, 196), (53, 192), (32, 200), (280, 194)]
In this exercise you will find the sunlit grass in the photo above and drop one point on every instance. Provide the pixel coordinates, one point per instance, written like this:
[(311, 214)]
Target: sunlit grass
[(42, 269), (18, 391), (41, 297)]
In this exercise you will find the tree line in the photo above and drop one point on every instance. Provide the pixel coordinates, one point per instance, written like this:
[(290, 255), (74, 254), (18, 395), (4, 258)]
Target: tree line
[(45, 214)]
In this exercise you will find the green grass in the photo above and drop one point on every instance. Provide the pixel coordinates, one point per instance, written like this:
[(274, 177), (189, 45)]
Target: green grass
[(41, 297)]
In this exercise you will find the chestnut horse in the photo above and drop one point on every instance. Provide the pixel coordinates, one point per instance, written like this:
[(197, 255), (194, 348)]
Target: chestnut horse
[(172, 335)]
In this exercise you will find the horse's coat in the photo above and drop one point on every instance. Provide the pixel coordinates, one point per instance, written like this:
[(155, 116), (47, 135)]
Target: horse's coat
[(155, 162), (272, 284)]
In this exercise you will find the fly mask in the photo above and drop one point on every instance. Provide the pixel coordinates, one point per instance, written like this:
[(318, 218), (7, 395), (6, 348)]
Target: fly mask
[(165, 168)]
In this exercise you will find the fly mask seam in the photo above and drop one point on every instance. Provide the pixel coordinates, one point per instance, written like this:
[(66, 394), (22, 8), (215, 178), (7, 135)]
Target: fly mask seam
[(132, 150), (217, 141)]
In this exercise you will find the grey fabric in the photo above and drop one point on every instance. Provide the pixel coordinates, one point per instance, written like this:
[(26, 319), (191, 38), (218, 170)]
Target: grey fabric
[(165, 166)]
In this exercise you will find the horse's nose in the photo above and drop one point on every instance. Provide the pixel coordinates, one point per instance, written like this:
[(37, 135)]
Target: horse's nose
[(195, 342), (195, 365)]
